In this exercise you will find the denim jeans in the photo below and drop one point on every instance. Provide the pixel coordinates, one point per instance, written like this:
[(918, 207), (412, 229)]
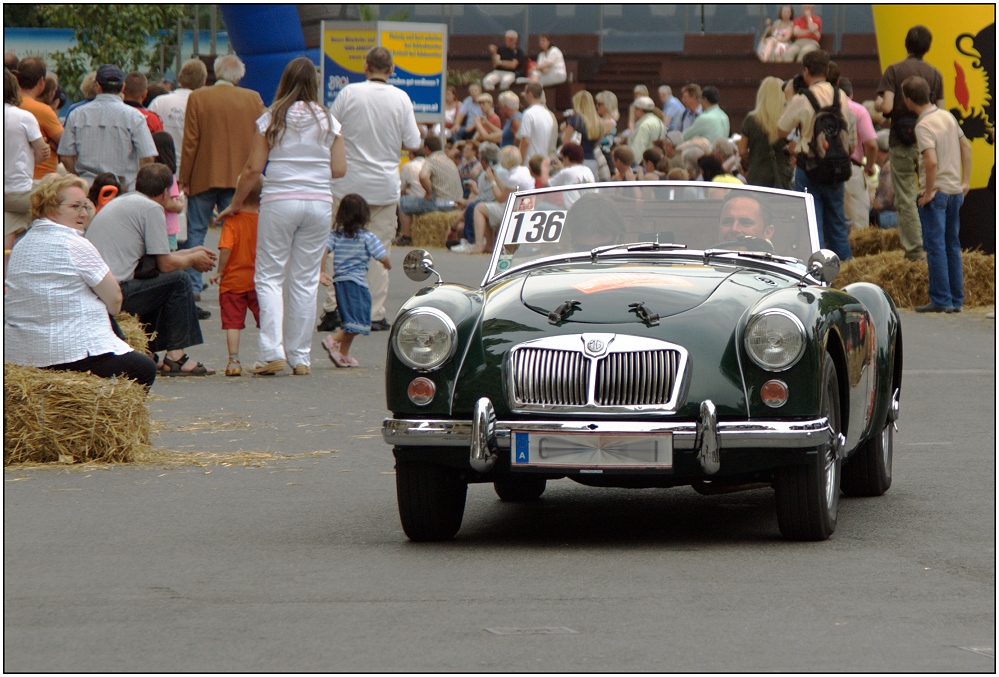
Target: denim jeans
[(941, 225), (469, 217), (829, 215), (199, 213)]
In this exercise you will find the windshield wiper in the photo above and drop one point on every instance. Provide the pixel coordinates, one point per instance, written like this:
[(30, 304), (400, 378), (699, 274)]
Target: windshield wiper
[(563, 311), (763, 256), (635, 247)]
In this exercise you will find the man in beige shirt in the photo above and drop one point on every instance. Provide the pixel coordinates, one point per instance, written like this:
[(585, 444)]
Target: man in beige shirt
[(944, 180), (830, 214), (219, 127)]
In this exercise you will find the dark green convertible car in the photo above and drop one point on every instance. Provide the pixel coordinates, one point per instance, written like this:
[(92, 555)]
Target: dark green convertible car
[(653, 334)]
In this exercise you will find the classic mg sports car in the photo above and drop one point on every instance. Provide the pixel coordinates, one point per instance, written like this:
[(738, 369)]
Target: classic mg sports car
[(645, 334)]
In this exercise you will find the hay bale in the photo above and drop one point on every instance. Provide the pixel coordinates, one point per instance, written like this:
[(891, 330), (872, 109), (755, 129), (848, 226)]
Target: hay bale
[(134, 331), (70, 417), (908, 281), (870, 241), (431, 229)]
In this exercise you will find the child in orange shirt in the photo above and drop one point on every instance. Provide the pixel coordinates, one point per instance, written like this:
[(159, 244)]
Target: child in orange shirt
[(237, 260)]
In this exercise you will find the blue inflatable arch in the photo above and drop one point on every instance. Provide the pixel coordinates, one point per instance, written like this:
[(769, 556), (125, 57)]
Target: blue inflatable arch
[(266, 37)]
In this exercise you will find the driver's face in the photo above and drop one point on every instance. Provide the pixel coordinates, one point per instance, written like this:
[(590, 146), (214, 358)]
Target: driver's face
[(741, 217)]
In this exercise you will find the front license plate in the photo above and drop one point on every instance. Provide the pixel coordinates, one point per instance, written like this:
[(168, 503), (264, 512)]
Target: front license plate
[(585, 450)]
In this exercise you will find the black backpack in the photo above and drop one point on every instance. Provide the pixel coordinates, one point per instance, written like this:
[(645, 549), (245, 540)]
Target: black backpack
[(828, 158)]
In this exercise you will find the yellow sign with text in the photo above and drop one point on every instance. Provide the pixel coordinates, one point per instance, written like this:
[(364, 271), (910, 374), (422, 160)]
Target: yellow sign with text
[(963, 50)]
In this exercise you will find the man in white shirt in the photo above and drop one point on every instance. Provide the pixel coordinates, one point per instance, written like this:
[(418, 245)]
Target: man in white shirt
[(378, 120), (944, 181), (537, 127), (171, 107), (23, 146)]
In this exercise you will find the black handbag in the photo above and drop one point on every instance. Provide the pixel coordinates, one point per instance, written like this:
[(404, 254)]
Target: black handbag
[(146, 269), (904, 127)]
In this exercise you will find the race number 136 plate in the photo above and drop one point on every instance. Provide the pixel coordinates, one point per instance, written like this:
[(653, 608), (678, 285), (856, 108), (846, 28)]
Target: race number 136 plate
[(530, 227)]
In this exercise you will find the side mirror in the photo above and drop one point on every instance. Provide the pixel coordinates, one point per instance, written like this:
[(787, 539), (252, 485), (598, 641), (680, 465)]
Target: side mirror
[(824, 265), (419, 265)]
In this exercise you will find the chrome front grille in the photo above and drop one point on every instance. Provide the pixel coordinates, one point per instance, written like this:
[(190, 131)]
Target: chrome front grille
[(595, 372), (637, 378), (550, 377)]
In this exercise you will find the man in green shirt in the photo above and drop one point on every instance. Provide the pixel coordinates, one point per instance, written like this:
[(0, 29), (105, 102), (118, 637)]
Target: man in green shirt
[(648, 128), (713, 123)]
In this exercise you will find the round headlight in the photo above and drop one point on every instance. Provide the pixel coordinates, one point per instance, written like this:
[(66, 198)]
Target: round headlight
[(425, 339), (775, 339)]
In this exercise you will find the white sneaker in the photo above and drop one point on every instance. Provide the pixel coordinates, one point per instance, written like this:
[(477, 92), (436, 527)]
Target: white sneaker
[(463, 248)]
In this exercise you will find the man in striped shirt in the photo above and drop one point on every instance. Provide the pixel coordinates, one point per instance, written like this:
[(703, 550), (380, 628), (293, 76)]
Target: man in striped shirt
[(107, 135), (442, 183)]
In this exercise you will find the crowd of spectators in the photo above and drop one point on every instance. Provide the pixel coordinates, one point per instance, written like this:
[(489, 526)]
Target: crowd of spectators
[(162, 168)]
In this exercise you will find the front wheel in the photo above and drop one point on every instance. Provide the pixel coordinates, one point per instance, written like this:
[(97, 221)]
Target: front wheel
[(431, 500), (807, 496), (520, 489)]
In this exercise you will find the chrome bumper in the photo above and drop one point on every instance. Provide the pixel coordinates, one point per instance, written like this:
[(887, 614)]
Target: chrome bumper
[(484, 435)]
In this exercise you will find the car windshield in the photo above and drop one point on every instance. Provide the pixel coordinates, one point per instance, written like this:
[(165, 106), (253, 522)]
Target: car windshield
[(606, 218)]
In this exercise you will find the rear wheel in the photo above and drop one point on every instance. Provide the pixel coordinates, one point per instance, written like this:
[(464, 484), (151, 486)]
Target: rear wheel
[(807, 496), (518, 489), (431, 500), (868, 471)]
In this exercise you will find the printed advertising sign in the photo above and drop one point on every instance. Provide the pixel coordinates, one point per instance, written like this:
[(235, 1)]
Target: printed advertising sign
[(419, 54), (344, 46)]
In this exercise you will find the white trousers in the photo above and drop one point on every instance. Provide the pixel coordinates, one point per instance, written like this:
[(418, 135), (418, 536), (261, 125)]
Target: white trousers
[(383, 225), (502, 78), (291, 238), (856, 200)]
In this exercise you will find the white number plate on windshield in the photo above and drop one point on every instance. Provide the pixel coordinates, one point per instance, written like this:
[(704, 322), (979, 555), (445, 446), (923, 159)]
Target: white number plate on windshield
[(588, 450), (535, 226)]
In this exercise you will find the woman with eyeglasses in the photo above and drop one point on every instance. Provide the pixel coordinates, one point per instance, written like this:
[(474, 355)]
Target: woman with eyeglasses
[(60, 294)]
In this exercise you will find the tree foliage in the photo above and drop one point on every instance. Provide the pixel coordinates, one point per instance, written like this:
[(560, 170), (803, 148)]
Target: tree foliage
[(110, 33)]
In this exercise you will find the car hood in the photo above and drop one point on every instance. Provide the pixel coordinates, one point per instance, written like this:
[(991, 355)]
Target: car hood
[(699, 308), (607, 295)]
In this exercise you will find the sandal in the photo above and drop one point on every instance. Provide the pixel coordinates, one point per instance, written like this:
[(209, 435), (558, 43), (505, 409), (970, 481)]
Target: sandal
[(338, 359), (174, 367), (233, 368)]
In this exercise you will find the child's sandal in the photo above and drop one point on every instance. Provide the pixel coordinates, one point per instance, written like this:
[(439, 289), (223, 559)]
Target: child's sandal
[(233, 368)]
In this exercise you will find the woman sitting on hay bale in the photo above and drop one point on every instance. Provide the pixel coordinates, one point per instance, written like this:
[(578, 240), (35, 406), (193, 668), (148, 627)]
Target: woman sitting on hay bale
[(60, 291)]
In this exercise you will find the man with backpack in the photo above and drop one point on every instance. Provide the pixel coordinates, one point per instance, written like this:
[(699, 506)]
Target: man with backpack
[(828, 131), (903, 154)]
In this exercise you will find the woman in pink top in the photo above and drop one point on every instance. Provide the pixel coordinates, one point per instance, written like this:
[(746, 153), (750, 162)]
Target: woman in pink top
[(167, 155)]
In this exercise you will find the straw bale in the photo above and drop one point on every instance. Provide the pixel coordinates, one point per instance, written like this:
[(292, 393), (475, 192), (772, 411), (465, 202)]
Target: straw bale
[(873, 240), (72, 417), (134, 331), (908, 281), (431, 229)]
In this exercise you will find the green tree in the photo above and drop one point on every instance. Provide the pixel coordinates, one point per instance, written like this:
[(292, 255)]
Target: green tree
[(110, 33)]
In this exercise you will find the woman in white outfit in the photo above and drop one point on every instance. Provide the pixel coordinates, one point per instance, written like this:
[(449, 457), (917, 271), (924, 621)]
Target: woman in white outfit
[(300, 144), (550, 67)]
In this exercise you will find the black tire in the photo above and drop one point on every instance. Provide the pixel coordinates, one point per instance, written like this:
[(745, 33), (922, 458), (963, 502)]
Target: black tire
[(807, 496), (868, 471), (519, 489), (431, 500)]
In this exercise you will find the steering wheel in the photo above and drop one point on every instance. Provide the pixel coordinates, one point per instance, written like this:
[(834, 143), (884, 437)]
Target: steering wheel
[(747, 243)]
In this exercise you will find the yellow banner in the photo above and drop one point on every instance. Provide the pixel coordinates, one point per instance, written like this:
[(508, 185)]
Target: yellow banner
[(963, 50)]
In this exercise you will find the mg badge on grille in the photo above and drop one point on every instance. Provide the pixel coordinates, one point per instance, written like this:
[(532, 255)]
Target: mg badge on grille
[(595, 346)]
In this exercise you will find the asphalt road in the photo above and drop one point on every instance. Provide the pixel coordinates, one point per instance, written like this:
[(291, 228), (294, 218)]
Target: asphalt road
[(296, 561)]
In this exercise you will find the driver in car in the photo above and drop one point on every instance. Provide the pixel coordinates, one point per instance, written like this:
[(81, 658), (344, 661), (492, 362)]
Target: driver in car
[(744, 216)]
